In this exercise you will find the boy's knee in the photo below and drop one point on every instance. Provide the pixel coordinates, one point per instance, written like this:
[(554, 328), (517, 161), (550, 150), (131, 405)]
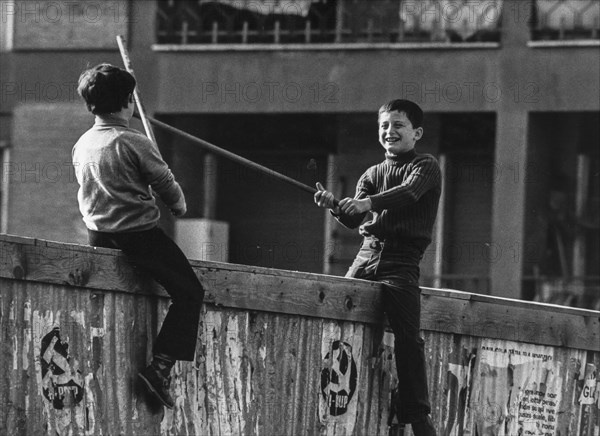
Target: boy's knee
[(196, 297), (189, 294)]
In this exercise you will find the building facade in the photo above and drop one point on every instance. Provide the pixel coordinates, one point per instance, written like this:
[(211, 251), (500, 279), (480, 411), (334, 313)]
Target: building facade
[(510, 89)]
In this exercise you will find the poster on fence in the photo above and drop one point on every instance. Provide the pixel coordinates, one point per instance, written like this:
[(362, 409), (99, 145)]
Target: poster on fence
[(518, 389)]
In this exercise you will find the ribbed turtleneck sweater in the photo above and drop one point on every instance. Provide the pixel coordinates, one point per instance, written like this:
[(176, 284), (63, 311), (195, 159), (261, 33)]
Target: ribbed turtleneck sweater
[(404, 190)]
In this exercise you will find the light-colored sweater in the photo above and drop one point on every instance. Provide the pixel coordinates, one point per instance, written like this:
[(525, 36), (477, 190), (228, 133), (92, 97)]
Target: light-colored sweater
[(115, 167)]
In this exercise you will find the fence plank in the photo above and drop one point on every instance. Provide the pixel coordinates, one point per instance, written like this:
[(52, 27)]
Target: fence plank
[(306, 294)]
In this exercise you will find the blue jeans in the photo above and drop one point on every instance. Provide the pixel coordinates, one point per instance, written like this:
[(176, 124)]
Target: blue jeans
[(397, 267), (154, 254)]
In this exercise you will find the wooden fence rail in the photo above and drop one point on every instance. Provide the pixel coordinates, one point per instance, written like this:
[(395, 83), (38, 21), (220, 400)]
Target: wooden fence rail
[(279, 352)]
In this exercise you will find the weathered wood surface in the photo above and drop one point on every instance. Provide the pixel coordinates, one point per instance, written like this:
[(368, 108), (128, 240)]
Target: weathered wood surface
[(254, 372), (297, 293), (272, 358)]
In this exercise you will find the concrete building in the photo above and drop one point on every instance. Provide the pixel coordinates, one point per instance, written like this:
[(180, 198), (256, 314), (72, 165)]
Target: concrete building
[(510, 89)]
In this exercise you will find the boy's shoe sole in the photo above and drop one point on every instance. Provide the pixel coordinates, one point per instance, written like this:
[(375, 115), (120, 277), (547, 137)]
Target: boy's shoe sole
[(424, 427), (154, 391)]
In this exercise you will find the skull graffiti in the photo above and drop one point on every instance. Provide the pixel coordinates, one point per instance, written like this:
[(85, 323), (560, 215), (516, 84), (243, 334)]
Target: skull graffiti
[(61, 384), (338, 378)]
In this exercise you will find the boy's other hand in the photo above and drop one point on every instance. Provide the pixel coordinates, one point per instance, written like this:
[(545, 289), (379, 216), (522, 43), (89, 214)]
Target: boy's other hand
[(179, 208), (350, 206), (178, 212), (324, 198)]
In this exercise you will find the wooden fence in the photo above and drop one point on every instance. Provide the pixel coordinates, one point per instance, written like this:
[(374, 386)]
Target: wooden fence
[(279, 353)]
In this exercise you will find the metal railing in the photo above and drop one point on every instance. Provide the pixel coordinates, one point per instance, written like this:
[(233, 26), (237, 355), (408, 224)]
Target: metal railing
[(565, 20), (326, 21), (460, 282), (581, 292)]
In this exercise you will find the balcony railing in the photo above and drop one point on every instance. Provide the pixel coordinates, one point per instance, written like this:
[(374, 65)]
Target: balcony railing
[(565, 20), (326, 21)]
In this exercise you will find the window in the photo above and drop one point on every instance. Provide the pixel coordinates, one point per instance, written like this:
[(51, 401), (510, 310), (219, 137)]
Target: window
[(326, 21), (565, 19)]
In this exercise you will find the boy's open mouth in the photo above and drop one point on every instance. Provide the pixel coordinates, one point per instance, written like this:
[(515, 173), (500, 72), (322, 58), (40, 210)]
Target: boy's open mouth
[(392, 139)]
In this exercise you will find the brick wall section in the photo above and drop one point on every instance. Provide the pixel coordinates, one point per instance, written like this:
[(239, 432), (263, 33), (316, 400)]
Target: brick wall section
[(42, 185)]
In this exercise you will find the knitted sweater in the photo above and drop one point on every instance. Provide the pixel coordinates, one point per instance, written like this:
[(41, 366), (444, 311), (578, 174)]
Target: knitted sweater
[(115, 167), (404, 193)]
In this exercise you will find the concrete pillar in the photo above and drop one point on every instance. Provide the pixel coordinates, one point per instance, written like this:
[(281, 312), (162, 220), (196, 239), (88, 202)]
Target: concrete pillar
[(508, 207)]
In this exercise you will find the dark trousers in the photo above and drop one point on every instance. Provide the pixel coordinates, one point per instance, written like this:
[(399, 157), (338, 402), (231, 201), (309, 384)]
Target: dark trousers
[(397, 268), (154, 254)]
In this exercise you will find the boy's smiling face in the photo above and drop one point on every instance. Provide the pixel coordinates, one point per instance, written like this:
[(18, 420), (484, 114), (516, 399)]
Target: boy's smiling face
[(396, 132)]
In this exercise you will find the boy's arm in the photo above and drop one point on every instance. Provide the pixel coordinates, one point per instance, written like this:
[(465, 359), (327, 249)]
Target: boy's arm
[(425, 176), (157, 174), (364, 187), (170, 193)]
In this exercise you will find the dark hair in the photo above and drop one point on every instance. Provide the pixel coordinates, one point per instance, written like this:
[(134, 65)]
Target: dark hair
[(105, 88), (412, 110)]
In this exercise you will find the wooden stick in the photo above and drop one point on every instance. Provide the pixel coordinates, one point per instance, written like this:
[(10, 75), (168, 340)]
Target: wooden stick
[(231, 156), (148, 121), (136, 92)]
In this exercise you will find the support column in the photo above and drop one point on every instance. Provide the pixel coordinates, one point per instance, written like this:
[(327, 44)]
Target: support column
[(438, 265), (209, 204), (508, 207)]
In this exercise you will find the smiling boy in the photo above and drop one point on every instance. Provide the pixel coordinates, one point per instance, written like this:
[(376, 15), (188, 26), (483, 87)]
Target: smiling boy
[(401, 194)]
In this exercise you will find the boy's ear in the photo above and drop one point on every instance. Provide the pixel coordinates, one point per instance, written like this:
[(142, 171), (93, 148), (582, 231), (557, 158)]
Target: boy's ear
[(131, 98), (418, 133)]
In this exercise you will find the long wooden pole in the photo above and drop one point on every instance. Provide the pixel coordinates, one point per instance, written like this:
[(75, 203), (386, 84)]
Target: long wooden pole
[(148, 121), (229, 155), (136, 92)]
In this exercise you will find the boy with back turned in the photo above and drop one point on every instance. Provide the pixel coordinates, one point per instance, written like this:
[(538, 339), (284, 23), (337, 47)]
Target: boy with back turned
[(401, 194), (116, 167)]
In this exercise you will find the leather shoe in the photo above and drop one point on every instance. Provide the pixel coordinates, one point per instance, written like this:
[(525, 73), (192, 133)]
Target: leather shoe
[(423, 427), (158, 384)]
